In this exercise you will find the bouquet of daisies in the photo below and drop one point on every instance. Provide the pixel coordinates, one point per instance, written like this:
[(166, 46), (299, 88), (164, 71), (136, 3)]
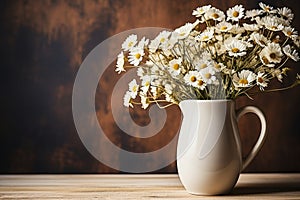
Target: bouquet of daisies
[(232, 53)]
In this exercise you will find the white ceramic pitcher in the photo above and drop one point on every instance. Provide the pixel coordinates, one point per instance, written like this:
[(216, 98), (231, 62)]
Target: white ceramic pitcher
[(209, 157)]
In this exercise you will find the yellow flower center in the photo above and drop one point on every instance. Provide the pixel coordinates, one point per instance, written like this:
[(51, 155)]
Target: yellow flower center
[(243, 81), (208, 75), (235, 50), (162, 40), (130, 44), (289, 33), (217, 66), (134, 88), (266, 61), (176, 66), (147, 101), (223, 28), (274, 27), (137, 56), (193, 78), (200, 82), (235, 14), (272, 55), (198, 27), (205, 37), (260, 80), (202, 66), (147, 83), (215, 15)]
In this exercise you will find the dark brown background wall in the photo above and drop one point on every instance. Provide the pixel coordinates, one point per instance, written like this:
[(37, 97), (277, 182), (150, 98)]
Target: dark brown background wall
[(42, 44)]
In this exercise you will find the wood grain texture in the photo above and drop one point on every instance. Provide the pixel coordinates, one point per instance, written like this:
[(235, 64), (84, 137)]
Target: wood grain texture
[(249, 186)]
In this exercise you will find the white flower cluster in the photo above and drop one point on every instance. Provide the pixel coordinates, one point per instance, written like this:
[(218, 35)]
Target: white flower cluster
[(235, 52)]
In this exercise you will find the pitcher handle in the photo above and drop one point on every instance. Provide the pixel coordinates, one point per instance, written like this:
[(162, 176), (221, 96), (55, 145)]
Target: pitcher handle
[(262, 136)]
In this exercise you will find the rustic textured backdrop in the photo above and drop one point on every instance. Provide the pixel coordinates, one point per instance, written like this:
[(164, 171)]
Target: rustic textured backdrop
[(42, 45)]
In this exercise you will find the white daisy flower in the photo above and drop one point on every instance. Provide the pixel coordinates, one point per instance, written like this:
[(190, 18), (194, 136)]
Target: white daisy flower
[(144, 100), (251, 27), (243, 79), (127, 99), (273, 52), (146, 82), (154, 91), (296, 41), (291, 53), (205, 36), (200, 84), (262, 80), (215, 14), (133, 88), (229, 40), (266, 8), (272, 23), (236, 29), (175, 66), (208, 75), (185, 30), (136, 56), (192, 77), (120, 63), (219, 66), (140, 72), (259, 39), (278, 74), (163, 36), (200, 11), (235, 13), (236, 48), (290, 32), (142, 43), (263, 56), (286, 13), (154, 44), (223, 26), (203, 63), (130, 42), (169, 44), (253, 13), (169, 88)]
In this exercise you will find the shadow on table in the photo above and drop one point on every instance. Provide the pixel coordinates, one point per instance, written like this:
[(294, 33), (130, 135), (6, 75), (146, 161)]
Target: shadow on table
[(267, 188)]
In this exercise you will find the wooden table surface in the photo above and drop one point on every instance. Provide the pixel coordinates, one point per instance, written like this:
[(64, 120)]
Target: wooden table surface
[(151, 186)]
